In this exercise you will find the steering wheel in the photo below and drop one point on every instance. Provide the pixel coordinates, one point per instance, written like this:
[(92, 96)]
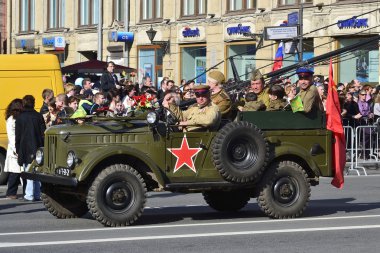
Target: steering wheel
[(170, 117)]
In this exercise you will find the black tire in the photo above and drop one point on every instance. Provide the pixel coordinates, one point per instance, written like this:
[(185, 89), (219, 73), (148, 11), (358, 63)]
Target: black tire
[(117, 196), (3, 175), (285, 190), (223, 201), (62, 205), (240, 152)]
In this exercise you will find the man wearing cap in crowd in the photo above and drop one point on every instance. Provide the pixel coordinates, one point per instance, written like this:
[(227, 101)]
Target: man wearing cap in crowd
[(257, 87), (218, 95), (202, 115), (308, 93)]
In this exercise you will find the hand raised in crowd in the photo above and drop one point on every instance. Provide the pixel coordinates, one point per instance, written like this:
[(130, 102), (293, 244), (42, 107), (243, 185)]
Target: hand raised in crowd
[(168, 99)]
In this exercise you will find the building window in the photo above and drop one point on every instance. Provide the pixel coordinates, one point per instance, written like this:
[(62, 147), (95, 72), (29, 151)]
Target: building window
[(88, 12), (151, 9), (193, 63), (293, 2), (241, 5), (246, 63), (150, 64), (56, 14), (27, 15), (362, 64), (194, 7), (119, 10)]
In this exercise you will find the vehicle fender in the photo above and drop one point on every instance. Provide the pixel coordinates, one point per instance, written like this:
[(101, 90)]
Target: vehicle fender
[(296, 150), (98, 155)]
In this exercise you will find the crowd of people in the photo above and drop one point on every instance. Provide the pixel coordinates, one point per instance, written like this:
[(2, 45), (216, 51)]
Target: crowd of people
[(211, 104)]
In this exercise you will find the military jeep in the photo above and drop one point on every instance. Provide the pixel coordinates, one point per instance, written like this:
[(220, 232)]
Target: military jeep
[(107, 165)]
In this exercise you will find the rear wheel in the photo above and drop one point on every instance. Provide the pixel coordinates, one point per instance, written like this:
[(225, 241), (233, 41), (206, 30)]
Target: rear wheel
[(226, 201), (117, 196), (3, 175), (285, 190), (62, 205)]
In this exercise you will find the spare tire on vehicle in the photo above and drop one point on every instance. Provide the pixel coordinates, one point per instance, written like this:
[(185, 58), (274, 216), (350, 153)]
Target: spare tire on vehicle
[(240, 152)]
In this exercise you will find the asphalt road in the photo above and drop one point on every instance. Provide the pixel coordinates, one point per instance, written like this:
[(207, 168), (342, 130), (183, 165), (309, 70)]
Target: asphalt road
[(345, 220)]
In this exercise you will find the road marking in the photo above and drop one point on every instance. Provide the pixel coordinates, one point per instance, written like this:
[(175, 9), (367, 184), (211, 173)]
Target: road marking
[(141, 238), (191, 225)]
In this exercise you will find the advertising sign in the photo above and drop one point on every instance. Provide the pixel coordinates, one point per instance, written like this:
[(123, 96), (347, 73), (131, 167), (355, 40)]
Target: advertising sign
[(59, 43), (117, 36), (280, 32)]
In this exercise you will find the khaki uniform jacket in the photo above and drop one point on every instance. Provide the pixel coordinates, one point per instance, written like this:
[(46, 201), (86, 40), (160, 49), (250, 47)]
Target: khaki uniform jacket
[(223, 101), (254, 106), (263, 96), (310, 99), (276, 105), (208, 117)]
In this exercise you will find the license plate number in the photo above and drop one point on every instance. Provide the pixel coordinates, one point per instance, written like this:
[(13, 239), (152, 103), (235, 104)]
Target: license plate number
[(62, 171)]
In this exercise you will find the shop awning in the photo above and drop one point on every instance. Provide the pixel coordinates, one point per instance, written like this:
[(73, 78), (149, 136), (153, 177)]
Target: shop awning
[(93, 66)]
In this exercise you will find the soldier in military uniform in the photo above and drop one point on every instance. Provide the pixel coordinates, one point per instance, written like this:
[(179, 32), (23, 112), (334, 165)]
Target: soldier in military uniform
[(251, 103), (202, 115), (276, 96), (218, 95), (257, 86), (308, 93)]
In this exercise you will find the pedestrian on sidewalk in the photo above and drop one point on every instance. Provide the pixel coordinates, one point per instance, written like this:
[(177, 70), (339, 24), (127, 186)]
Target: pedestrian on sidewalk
[(11, 166), (30, 128)]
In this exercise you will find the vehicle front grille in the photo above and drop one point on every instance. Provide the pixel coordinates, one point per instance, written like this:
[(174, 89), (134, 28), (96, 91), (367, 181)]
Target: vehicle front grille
[(50, 151)]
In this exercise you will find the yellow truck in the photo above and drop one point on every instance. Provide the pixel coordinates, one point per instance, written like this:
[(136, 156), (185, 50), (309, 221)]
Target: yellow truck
[(20, 75)]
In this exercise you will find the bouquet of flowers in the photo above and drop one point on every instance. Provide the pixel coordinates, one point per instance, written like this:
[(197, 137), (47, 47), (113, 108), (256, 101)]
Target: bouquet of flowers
[(143, 103)]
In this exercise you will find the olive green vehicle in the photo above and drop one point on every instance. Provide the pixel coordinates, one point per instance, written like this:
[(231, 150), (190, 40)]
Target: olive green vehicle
[(107, 166)]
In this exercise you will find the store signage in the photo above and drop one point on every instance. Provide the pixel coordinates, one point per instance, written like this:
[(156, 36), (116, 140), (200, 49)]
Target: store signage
[(57, 43), (293, 18), (25, 44), (353, 23), (239, 29), (116, 36), (48, 42), (280, 32), (188, 32)]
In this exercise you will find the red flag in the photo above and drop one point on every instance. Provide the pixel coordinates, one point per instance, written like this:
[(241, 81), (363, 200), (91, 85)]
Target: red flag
[(334, 124), (279, 57)]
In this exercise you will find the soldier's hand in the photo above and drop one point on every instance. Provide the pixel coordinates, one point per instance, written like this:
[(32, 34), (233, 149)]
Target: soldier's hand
[(167, 100)]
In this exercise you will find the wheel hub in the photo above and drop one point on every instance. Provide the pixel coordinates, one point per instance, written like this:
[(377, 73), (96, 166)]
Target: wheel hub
[(119, 196), (286, 191), (239, 152)]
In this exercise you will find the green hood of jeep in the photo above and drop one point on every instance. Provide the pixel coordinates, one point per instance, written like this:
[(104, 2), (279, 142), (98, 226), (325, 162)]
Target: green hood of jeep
[(100, 127)]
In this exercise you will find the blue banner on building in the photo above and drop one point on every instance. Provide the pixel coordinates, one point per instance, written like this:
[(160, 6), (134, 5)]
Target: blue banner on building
[(127, 37)]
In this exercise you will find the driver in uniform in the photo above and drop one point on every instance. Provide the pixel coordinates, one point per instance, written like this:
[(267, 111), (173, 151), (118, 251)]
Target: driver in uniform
[(200, 116)]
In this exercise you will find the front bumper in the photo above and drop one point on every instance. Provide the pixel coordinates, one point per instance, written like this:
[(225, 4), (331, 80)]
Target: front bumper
[(51, 179)]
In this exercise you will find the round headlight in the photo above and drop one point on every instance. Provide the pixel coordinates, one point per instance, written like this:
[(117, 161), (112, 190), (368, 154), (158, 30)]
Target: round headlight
[(40, 156), (71, 159), (152, 118)]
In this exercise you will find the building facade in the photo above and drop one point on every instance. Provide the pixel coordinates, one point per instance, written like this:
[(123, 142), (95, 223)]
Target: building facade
[(3, 26), (191, 36)]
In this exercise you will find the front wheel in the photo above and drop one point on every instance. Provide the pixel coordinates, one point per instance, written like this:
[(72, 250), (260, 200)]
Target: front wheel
[(117, 196), (285, 190)]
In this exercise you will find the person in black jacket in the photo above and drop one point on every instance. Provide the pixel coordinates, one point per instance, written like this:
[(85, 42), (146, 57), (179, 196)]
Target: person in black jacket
[(109, 79), (47, 95), (29, 131)]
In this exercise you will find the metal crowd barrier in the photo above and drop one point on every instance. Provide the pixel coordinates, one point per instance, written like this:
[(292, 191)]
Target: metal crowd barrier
[(363, 147)]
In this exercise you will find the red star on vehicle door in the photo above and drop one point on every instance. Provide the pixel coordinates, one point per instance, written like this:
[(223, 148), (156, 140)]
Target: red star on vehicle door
[(184, 155)]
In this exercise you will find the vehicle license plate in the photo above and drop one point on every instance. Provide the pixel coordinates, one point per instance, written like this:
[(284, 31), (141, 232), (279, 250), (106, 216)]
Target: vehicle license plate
[(62, 171)]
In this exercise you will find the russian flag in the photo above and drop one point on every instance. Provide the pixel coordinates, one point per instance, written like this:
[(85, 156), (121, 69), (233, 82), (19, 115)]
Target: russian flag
[(279, 57)]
